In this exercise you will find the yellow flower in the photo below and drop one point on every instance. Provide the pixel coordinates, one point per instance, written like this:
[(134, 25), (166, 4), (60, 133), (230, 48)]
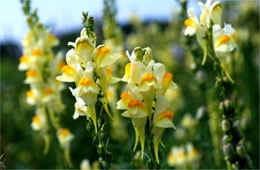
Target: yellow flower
[(37, 122), (65, 137), (210, 12), (224, 39), (193, 27), (162, 119)]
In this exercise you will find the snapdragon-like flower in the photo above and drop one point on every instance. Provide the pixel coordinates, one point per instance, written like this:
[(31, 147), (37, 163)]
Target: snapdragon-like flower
[(65, 137), (147, 82), (224, 39), (193, 26), (211, 12), (162, 119), (88, 67), (182, 156)]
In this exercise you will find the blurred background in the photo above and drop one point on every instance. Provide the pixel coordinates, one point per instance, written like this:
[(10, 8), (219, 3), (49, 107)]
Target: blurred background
[(153, 23)]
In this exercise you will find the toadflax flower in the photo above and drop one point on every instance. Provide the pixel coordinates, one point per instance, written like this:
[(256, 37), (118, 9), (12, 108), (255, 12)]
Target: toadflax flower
[(88, 67), (162, 119), (193, 26), (65, 137), (211, 12), (136, 111), (224, 39), (183, 156), (147, 82)]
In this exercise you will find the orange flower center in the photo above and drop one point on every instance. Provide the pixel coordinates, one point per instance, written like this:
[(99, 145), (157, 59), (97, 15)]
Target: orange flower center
[(166, 114), (48, 91), (104, 50), (148, 77), (223, 39), (109, 71), (167, 77), (61, 64), (64, 132), (36, 119), (126, 97), (31, 73), (66, 69), (86, 82), (189, 23), (135, 103), (24, 59), (37, 52)]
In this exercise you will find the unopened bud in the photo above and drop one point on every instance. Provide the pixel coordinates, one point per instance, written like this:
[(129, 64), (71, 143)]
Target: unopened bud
[(221, 106), (201, 77), (241, 150), (201, 112), (225, 125), (225, 140), (147, 55), (228, 151), (227, 103), (138, 53), (99, 149)]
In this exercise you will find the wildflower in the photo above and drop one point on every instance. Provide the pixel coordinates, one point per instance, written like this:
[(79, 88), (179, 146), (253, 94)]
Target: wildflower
[(224, 39), (182, 156), (38, 122), (162, 119), (147, 83), (136, 111), (85, 165), (211, 12), (65, 137), (193, 26)]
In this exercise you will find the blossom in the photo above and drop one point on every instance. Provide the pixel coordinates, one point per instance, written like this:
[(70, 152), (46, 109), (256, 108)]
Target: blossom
[(224, 39), (211, 12), (162, 119), (89, 68), (147, 82), (65, 137), (136, 111), (85, 165), (193, 26), (182, 155)]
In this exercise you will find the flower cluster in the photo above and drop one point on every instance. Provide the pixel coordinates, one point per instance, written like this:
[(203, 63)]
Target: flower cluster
[(89, 68), (147, 82), (182, 155), (223, 38), (41, 68)]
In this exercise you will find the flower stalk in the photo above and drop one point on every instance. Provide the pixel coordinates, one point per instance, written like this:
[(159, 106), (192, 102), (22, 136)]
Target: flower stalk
[(218, 43)]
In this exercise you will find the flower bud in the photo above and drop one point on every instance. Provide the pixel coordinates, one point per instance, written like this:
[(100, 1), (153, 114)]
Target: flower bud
[(225, 140), (99, 149), (201, 77), (138, 53), (221, 106), (241, 150), (225, 125), (201, 112), (227, 104), (147, 55), (228, 151)]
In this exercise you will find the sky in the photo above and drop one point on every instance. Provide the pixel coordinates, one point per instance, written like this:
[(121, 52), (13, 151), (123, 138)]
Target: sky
[(65, 15)]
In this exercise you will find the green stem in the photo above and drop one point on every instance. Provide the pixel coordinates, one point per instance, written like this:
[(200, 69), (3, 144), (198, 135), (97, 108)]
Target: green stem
[(225, 83), (152, 163)]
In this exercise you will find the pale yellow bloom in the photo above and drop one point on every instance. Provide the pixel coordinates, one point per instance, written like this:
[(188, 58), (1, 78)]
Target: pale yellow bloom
[(65, 137)]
